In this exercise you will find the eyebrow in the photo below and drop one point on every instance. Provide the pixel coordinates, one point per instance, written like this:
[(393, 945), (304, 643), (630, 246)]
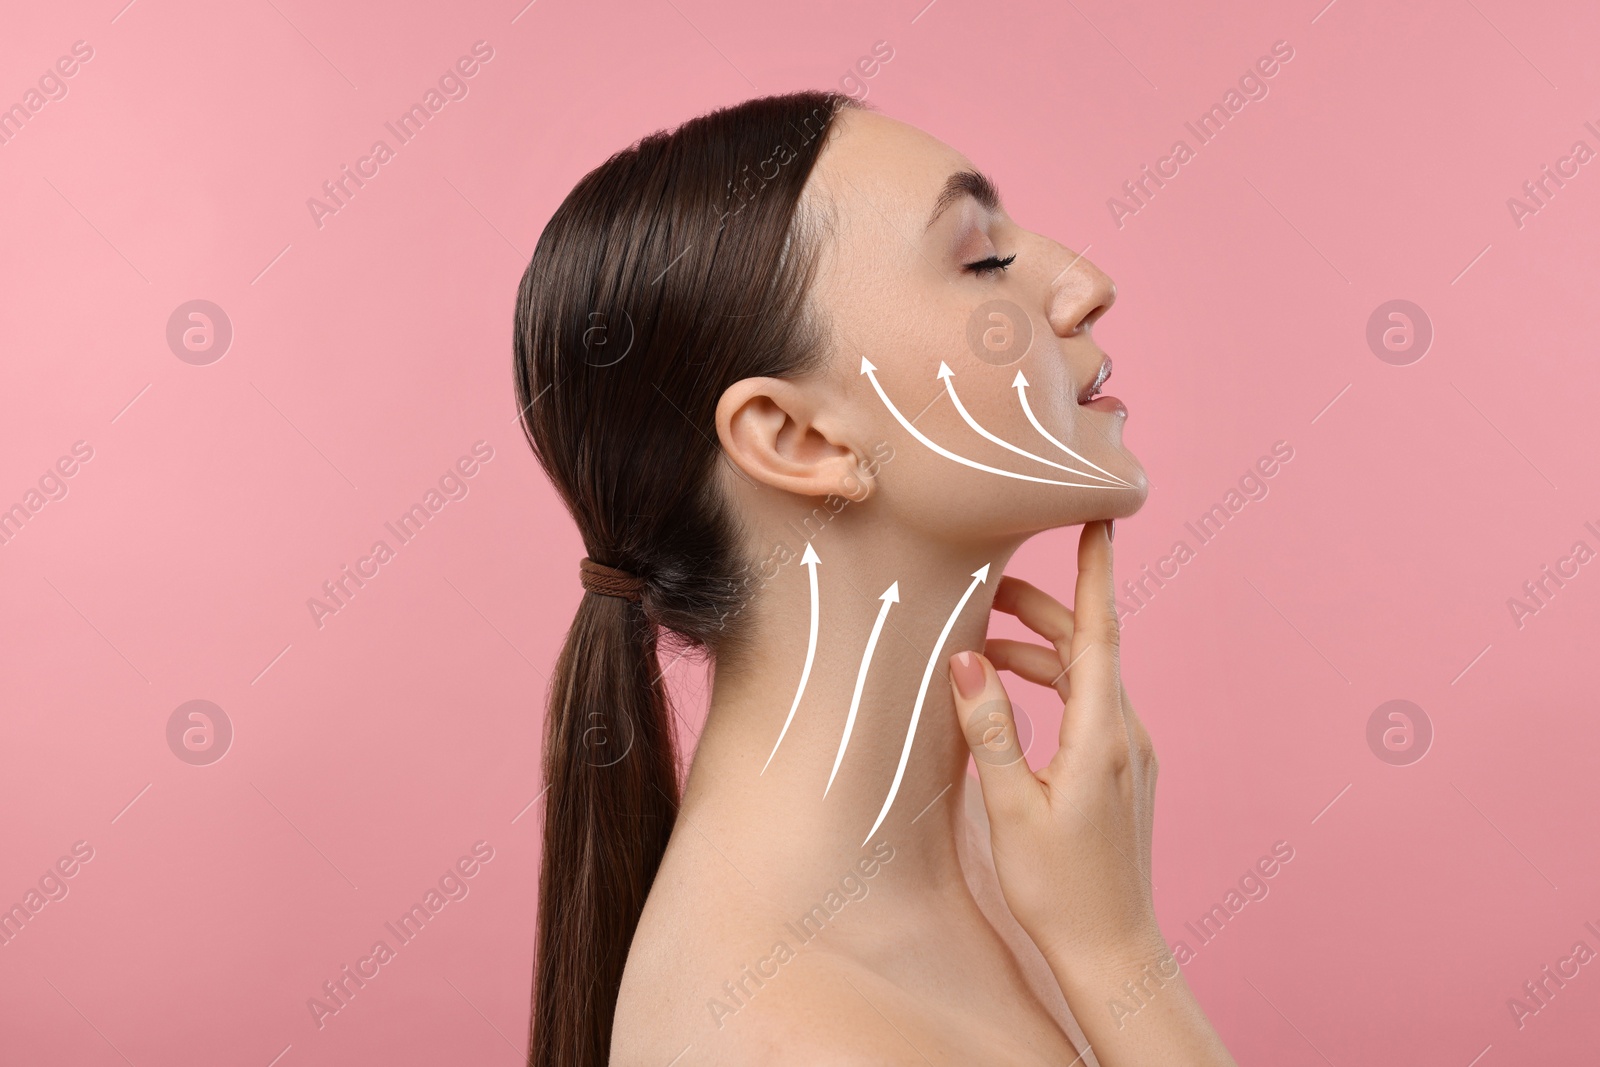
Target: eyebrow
[(964, 183)]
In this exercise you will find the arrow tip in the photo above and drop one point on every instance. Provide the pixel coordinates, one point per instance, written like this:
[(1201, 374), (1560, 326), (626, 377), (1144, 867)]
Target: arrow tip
[(944, 370), (866, 365), (1018, 381), (892, 594), (982, 573), (810, 556)]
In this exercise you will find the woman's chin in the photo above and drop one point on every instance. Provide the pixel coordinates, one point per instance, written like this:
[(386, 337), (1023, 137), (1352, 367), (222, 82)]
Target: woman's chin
[(1123, 502), (1135, 498), (1127, 499)]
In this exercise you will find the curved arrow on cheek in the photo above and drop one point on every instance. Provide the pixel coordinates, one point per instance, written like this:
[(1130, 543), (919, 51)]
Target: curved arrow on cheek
[(1020, 384), (868, 369), (946, 374)]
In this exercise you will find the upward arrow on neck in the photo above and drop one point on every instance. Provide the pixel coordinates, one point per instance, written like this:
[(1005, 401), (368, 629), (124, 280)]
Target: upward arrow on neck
[(890, 596), (978, 576), (810, 560)]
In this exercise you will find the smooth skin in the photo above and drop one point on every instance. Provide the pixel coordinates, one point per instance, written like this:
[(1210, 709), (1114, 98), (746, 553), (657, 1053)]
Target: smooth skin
[(986, 926)]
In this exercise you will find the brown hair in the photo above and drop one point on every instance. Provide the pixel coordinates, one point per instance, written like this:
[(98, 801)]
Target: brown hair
[(671, 271)]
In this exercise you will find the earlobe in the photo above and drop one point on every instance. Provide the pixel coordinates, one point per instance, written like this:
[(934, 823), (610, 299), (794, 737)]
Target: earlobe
[(771, 430)]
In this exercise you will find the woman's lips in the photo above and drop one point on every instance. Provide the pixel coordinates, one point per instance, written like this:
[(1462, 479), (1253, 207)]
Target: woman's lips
[(1087, 392), (1108, 404)]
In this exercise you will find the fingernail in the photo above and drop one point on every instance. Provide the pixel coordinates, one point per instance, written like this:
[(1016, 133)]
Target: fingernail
[(967, 670), (1111, 531)]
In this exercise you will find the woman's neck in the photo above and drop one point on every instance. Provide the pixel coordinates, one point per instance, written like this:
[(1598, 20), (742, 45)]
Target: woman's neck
[(773, 816)]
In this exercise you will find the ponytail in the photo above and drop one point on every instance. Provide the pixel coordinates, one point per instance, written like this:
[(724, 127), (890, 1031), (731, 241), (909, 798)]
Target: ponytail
[(610, 764)]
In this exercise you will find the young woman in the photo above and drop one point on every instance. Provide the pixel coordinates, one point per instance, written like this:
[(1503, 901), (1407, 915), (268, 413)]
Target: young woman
[(806, 387)]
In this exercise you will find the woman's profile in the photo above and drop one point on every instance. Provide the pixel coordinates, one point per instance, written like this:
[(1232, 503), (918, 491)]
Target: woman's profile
[(806, 387)]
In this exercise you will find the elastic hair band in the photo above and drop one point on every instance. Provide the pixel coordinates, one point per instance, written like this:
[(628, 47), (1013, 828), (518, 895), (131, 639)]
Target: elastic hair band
[(609, 581)]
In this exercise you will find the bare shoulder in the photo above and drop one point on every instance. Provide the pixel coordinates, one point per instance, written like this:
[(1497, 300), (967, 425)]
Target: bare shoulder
[(744, 989), (783, 1007), (822, 1010), (718, 974)]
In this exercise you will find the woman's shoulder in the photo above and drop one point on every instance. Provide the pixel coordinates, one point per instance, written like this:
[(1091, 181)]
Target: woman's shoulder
[(723, 972), (718, 976), (713, 984)]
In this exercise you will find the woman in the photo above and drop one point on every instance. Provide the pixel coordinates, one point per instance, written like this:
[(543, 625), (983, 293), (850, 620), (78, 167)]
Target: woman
[(771, 361)]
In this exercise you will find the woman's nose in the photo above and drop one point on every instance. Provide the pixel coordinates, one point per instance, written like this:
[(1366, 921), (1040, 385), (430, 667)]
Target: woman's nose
[(1080, 294)]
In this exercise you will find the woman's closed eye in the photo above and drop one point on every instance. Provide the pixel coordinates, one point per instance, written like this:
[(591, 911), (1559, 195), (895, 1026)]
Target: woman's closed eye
[(988, 266)]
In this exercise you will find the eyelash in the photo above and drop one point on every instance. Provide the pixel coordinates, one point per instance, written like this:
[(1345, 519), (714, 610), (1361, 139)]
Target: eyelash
[(990, 265)]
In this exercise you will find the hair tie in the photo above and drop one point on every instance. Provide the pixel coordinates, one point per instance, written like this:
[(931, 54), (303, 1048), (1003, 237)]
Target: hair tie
[(609, 581)]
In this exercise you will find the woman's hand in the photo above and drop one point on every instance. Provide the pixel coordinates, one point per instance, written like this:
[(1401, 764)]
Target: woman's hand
[(1071, 843)]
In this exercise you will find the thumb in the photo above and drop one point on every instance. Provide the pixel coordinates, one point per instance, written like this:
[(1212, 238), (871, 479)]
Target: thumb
[(990, 728)]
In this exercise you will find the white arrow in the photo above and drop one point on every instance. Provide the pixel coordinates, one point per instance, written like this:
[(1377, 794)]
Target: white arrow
[(868, 369), (979, 575), (1020, 384), (810, 560), (890, 596), (961, 409)]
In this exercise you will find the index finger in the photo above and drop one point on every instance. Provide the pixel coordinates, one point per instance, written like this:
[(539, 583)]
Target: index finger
[(1094, 708)]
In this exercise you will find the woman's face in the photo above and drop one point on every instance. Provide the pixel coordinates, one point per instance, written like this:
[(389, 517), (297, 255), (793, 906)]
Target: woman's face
[(901, 278)]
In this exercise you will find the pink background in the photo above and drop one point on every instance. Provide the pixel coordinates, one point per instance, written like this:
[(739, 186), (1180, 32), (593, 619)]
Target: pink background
[(369, 354)]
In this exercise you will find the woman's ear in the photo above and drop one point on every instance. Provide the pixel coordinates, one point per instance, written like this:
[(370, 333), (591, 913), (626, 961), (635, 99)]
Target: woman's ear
[(772, 431)]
